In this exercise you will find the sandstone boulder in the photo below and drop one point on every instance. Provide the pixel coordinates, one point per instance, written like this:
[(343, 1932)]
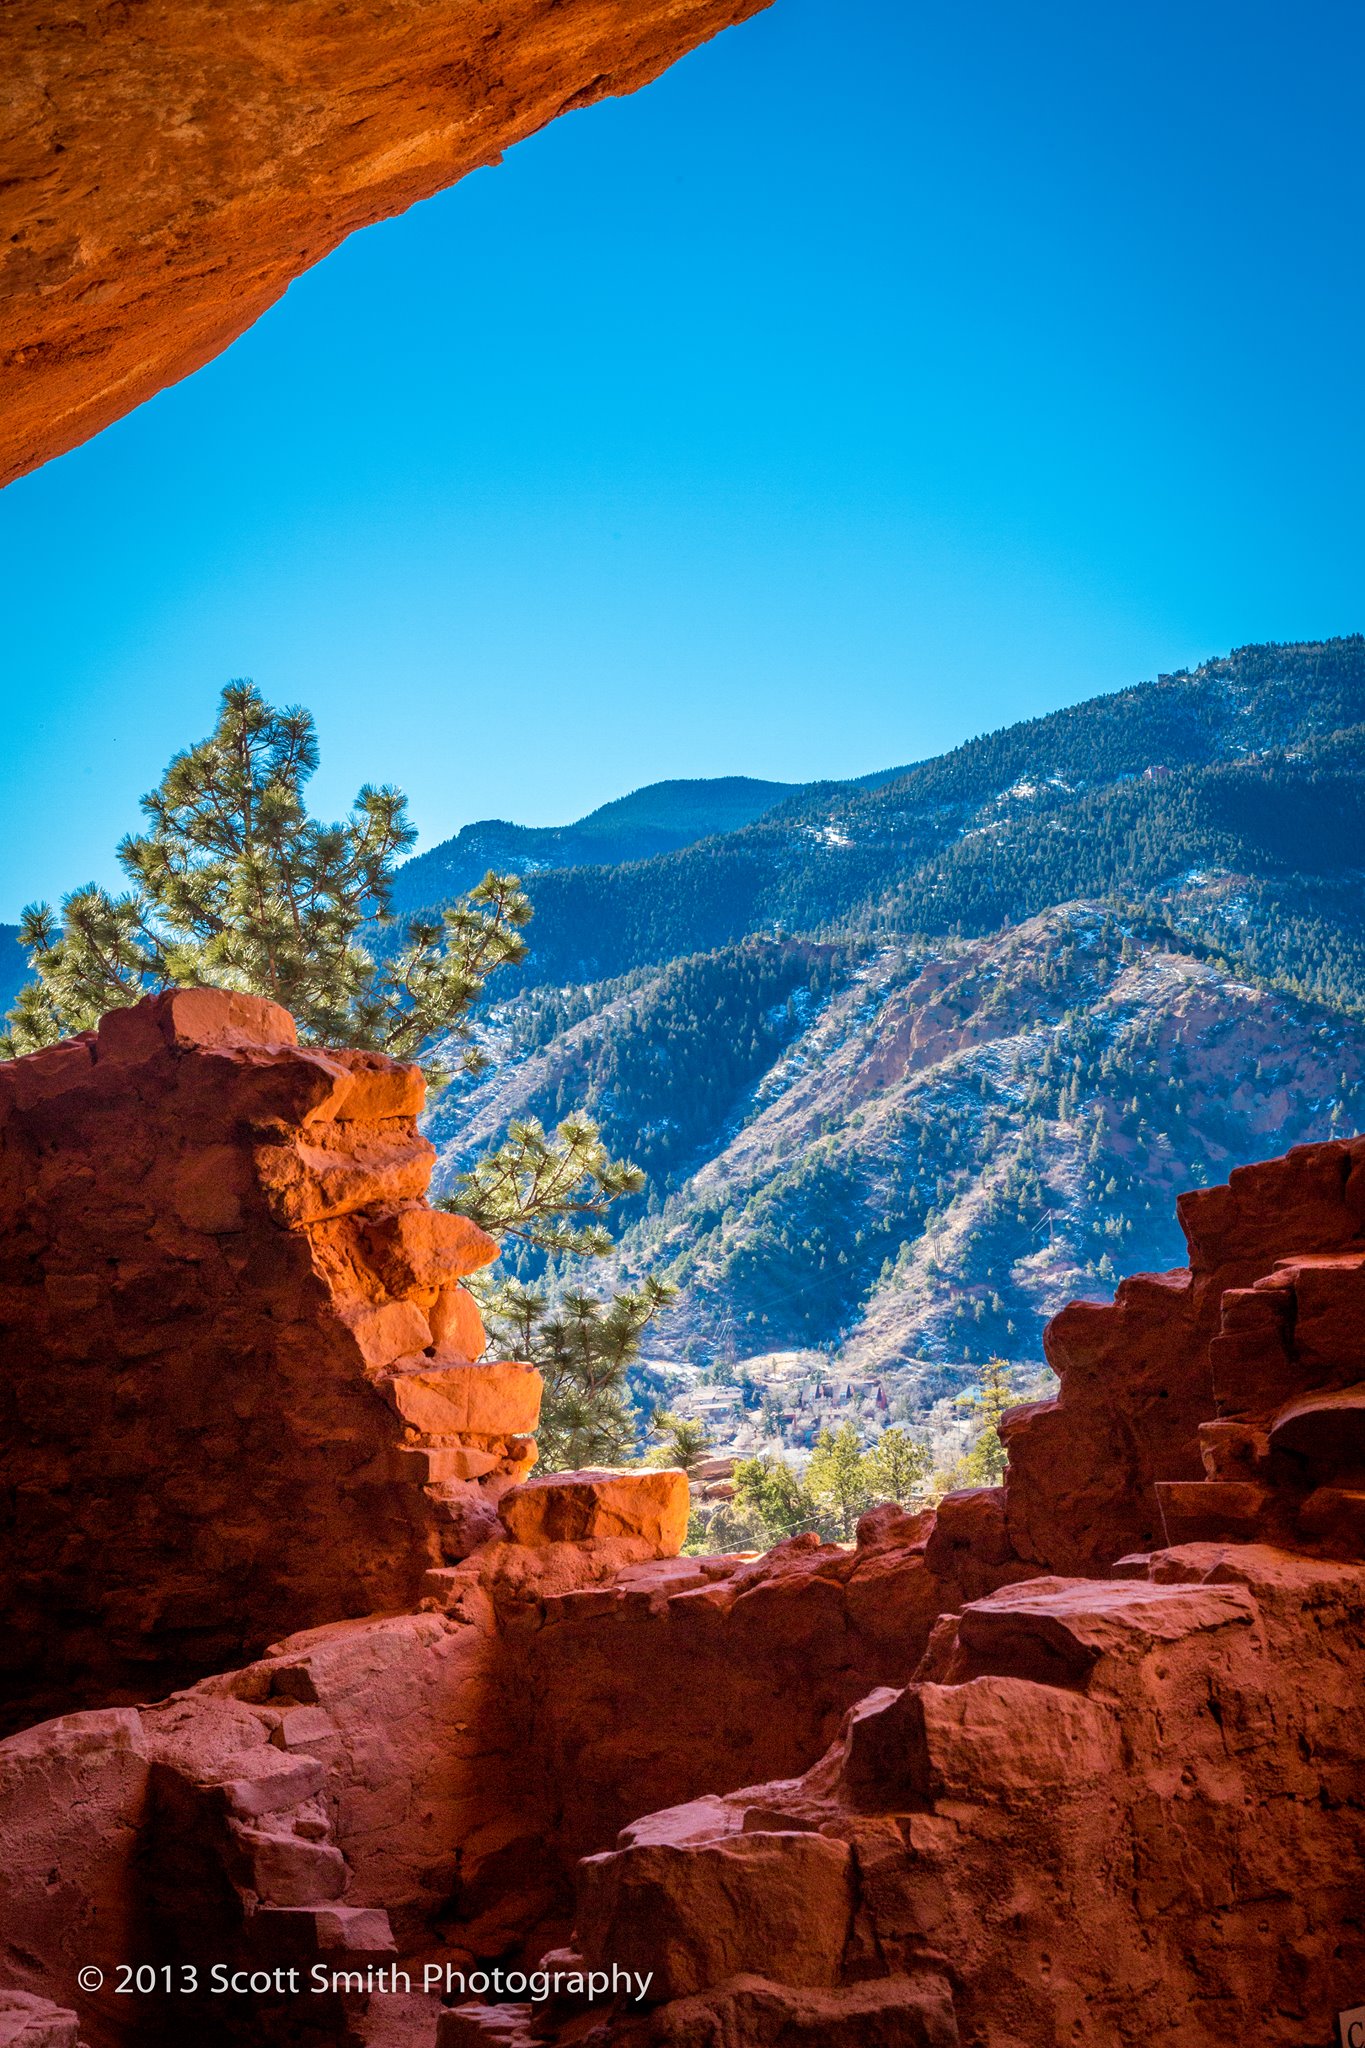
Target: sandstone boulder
[(692, 1917), (466, 1400), (421, 1247), (589, 1507), (457, 1329)]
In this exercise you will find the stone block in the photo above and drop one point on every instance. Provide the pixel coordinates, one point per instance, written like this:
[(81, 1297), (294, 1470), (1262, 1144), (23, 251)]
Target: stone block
[(306, 1728), (1009, 1739), (1053, 1631), (973, 1520), (396, 1329), (587, 1507), (467, 1400), (287, 1870), (1210, 1510), (1329, 1321), (366, 1086), (456, 1326), (337, 1171), (298, 1933), (1250, 1357), (773, 1904), (266, 1781), (421, 1247), (217, 1018)]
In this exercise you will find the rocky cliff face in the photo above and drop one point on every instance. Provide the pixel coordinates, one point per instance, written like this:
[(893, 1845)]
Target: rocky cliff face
[(1076, 1758), (235, 1355), (170, 167), (930, 1153)]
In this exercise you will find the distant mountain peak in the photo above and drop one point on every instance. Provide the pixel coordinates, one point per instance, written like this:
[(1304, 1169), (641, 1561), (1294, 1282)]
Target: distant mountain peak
[(659, 818)]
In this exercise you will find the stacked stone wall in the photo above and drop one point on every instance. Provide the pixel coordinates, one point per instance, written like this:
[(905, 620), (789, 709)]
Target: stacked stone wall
[(240, 1379)]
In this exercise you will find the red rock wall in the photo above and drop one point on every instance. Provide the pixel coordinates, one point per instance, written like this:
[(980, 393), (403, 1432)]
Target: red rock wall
[(699, 1675), (341, 1793), (1125, 1806), (1271, 1305), (1068, 1791), (220, 1288), (1124, 1812)]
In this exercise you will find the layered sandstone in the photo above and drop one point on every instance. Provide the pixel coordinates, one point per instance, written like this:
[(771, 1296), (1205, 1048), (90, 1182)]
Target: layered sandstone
[(170, 166), (1113, 1811), (1077, 1758), (238, 1381)]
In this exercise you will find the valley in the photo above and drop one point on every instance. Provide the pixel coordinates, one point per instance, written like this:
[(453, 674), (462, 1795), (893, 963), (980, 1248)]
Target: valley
[(888, 1147)]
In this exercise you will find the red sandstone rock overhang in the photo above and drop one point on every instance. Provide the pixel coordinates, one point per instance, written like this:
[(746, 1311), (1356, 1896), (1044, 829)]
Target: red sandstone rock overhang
[(167, 167)]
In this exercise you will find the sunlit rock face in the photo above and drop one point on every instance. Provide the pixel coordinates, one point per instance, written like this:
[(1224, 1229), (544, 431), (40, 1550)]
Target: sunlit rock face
[(1076, 1758), (238, 1382), (171, 165)]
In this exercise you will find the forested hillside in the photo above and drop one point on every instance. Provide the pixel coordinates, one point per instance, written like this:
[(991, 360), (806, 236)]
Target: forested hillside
[(1244, 776), (909, 1066), (653, 820), (918, 1149)]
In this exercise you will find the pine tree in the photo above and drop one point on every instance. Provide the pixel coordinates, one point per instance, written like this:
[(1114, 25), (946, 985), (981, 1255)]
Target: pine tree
[(236, 886), (837, 1479), (550, 1193), (985, 1462), (583, 1349), (684, 1442), (770, 1503), (897, 1468)]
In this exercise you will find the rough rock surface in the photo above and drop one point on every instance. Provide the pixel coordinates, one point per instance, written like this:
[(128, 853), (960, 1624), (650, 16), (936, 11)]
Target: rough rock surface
[(218, 1277), (1074, 1759), (28, 2022), (170, 166), (592, 1506), (1123, 1812)]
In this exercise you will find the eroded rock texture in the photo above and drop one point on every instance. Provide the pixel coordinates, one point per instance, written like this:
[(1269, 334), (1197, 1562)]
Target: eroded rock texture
[(1104, 1811), (1074, 1760), (170, 166), (237, 1393)]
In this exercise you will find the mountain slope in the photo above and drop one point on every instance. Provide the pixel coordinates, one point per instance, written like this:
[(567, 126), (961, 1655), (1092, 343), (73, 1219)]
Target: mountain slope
[(913, 1154), (1040, 985), (1249, 771), (656, 819)]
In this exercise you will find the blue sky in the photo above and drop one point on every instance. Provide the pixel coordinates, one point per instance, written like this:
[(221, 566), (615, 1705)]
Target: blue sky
[(884, 373)]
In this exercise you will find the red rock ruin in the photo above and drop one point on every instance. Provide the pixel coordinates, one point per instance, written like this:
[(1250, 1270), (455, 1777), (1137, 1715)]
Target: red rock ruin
[(234, 1351), (170, 165), (1077, 1759)]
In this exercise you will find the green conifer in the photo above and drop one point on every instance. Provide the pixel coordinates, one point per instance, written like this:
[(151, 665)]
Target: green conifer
[(234, 885)]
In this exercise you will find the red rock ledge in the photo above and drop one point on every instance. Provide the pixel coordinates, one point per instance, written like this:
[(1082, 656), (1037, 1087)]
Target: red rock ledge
[(171, 165)]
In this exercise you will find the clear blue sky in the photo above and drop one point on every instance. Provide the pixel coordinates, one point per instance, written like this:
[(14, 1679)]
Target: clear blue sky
[(884, 373)]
